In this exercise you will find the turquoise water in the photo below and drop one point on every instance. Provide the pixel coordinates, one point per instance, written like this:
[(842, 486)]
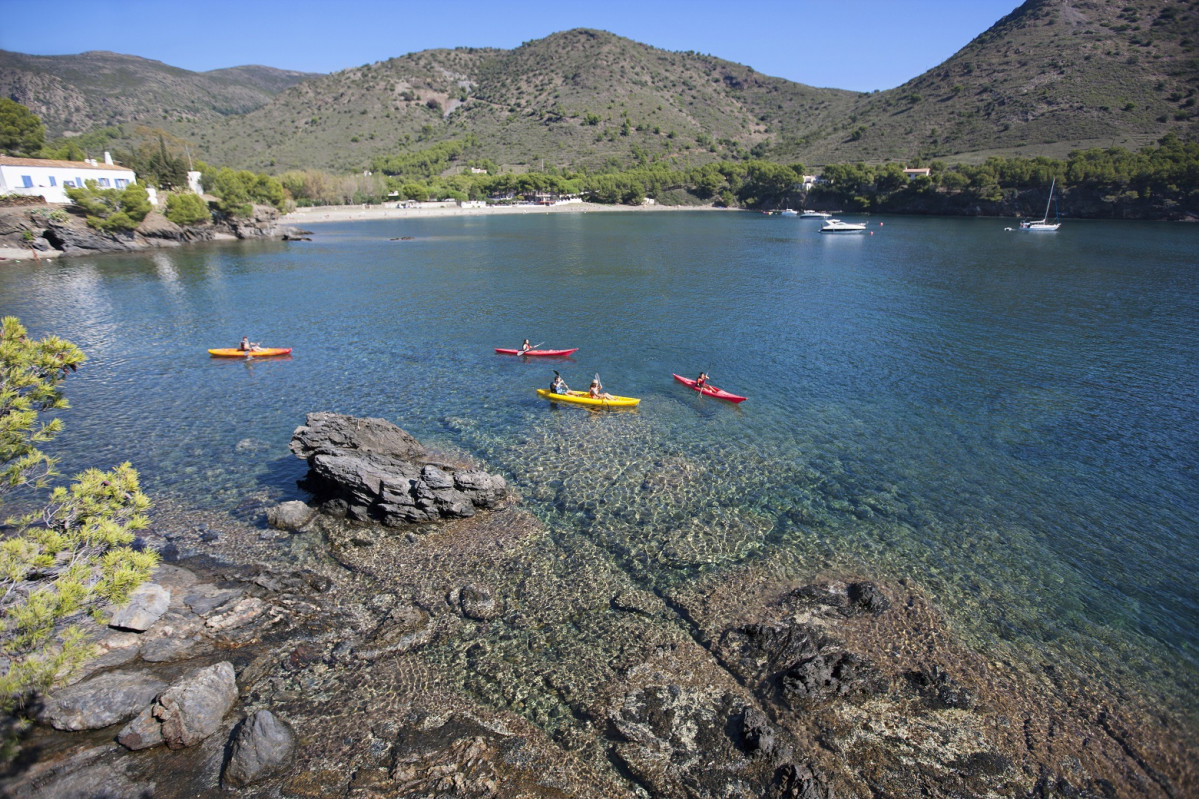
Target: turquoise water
[(1011, 420)]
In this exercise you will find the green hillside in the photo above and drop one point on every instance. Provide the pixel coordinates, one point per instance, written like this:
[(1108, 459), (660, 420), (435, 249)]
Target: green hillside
[(1051, 77), (79, 93), (577, 98)]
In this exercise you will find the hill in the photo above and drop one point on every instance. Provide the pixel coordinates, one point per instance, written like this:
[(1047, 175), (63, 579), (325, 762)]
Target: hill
[(1051, 77), (577, 98), (79, 93)]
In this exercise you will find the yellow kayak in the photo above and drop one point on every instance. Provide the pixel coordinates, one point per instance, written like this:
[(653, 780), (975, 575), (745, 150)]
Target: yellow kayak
[(583, 398)]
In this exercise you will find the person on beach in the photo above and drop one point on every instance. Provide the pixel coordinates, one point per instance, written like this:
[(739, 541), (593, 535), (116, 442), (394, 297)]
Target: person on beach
[(558, 386)]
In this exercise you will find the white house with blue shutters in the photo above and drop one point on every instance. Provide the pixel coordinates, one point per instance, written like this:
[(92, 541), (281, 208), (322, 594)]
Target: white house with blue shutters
[(49, 178)]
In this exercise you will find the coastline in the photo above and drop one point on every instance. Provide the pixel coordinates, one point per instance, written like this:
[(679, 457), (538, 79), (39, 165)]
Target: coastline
[(344, 213)]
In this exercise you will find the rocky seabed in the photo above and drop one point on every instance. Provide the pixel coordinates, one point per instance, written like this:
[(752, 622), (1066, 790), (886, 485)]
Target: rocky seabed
[(463, 653)]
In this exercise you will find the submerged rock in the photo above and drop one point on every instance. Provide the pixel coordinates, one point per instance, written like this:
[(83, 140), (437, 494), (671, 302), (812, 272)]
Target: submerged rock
[(261, 746)]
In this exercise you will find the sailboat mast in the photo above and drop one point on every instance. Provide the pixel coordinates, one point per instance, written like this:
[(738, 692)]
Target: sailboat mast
[(1050, 200)]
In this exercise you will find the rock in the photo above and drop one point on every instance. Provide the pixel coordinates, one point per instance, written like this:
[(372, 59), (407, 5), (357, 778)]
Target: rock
[(174, 637), (261, 746), (827, 675), (206, 597), (477, 602), (112, 648), (940, 691), (238, 614), (146, 604), (290, 515), (757, 733), (369, 469), (143, 732), (192, 708), (867, 597), (101, 701)]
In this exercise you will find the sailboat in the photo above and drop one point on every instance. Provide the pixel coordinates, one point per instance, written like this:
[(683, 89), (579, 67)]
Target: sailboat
[(1044, 224)]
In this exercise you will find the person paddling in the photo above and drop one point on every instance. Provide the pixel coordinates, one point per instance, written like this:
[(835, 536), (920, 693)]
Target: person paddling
[(702, 380), (526, 346), (246, 345), (596, 390), (558, 385)]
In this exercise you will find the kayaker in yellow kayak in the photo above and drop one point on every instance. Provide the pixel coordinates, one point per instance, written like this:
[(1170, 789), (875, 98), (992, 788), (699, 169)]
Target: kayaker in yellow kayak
[(558, 385), (597, 391), (247, 346)]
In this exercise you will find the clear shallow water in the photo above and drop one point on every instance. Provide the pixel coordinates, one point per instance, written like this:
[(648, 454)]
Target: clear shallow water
[(1012, 420)]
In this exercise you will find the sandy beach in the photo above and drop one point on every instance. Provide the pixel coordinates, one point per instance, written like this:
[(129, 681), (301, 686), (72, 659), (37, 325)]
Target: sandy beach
[(343, 213)]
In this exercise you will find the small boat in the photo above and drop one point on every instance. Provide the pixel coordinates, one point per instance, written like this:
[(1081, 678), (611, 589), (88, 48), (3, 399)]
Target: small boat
[(261, 352), (837, 226), (814, 215), (1044, 224), (583, 398), (536, 353), (709, 391), (788, 212)]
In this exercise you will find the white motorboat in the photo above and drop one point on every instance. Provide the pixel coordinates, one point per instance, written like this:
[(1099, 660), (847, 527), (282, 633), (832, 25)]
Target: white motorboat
[(814, 215), (837, 226), (788, 212)]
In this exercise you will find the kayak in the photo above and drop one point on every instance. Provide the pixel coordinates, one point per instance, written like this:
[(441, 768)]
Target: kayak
[(543, 353), (709, 391), (583, 398), (261, 352)]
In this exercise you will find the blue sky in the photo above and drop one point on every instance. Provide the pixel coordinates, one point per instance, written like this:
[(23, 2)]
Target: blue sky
[(845, 44)]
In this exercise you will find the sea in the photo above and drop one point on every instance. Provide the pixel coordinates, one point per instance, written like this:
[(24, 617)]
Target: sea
[(1008, 420)]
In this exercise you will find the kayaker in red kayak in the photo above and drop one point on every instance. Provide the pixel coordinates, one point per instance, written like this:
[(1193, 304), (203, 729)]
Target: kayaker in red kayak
[(702, 380), (526, 346)]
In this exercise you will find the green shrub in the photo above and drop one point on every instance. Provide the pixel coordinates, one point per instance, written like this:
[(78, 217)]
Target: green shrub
[(187, 209), (111, 209)]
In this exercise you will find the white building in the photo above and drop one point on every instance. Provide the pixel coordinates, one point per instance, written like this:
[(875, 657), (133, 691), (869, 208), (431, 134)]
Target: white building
[(48, 178)]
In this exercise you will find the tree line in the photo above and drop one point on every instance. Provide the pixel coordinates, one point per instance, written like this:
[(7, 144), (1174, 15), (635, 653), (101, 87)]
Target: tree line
[(1159, 178)]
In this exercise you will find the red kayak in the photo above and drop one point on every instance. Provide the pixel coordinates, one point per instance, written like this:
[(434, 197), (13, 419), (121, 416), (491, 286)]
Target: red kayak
[(543, 353), (709, 390)]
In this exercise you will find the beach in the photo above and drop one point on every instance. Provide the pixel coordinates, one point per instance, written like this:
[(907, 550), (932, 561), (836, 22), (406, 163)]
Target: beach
[(343, 213)]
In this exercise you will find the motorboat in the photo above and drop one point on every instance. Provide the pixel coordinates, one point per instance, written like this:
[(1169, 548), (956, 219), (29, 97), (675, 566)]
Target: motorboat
[(837, 226), (788, 212), (814, 215)]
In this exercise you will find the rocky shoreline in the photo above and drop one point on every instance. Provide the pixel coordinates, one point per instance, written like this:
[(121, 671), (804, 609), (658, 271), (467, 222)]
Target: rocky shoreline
[(47, 230), (466, 653)]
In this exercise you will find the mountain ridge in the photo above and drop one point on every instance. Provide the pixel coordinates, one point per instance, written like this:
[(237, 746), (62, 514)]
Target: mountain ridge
[(1051, 76)]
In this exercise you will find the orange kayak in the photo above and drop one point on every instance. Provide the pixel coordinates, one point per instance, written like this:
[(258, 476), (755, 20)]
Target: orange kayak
[(261, 352)]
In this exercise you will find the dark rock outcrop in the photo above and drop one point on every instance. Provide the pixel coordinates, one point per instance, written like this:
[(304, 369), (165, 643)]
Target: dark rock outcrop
[(370, 469)]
